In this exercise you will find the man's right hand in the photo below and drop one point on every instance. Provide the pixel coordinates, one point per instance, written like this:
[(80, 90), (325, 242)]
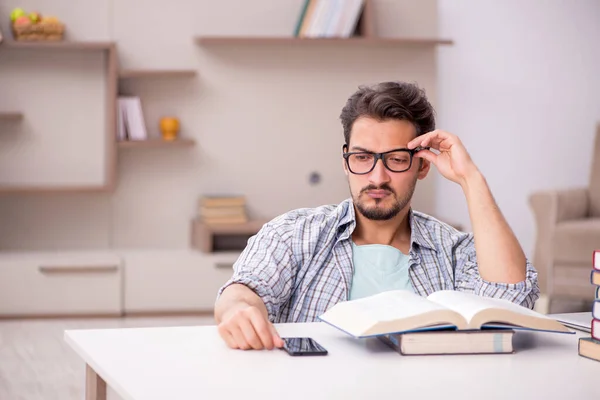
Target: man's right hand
[(246, 327)]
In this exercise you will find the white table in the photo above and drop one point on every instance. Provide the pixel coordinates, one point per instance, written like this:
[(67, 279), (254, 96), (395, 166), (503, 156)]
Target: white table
[(193, 363)]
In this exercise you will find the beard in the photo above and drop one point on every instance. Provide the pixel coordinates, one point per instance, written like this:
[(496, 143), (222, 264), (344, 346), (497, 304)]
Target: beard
[(379, 212)]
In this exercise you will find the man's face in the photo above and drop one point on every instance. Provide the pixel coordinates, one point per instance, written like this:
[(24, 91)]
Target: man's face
[(381, 194)]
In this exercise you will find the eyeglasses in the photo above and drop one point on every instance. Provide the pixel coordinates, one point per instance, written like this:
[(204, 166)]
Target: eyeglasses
[(363, 162)]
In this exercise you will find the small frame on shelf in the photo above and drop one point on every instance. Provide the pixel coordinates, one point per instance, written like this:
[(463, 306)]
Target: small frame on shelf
[(224, 237), (156, 73), (155, 143)]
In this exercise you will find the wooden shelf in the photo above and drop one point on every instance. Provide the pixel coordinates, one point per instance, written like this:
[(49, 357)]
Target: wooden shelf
[(156, 73), (58, 45), (155, 143), (294, 41), (10, 116), (222, 237)]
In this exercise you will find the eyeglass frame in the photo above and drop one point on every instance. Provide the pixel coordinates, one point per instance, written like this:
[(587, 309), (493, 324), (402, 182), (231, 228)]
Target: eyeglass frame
[(380, 156)]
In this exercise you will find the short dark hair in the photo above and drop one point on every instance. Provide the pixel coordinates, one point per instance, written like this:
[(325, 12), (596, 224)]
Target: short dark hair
[(389, 100)]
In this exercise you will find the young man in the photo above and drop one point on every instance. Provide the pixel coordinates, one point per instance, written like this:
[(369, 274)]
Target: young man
[(305, 261)]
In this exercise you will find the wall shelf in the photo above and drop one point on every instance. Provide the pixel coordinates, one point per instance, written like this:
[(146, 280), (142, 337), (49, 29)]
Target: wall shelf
[(294, 41), (10, 116), (223, 237), (156, 73), (57, 45), (155, 143)]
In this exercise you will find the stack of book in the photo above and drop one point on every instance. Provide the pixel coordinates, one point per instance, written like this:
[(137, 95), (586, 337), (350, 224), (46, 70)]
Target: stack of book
[(445, 322), (215, 210), (589, 347), (329, 18)]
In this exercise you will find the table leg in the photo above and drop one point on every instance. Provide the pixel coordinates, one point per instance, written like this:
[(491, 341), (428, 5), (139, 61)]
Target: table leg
[(95, 387)]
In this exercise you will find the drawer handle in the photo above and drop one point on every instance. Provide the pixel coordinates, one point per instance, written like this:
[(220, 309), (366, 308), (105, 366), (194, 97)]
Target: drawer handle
[(69, 269), (224, 265)]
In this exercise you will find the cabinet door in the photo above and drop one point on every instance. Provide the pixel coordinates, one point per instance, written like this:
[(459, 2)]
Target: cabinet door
[(62, 141), (174, 281), (60, 284)]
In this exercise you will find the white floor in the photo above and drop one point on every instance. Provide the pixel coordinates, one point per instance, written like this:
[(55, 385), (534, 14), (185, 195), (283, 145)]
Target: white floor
[(36, 364)]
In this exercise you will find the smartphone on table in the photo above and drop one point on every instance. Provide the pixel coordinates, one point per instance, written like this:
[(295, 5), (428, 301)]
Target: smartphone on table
[(302, 346)]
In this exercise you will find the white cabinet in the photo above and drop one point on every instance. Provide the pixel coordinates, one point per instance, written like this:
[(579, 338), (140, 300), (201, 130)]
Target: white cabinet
[(33, 284), (174, 281), (111, 283)]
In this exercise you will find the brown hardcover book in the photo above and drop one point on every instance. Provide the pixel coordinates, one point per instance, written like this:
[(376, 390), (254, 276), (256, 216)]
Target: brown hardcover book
[(589, 348), (225, 220), (452, 342), (222, 201), (233, 211)]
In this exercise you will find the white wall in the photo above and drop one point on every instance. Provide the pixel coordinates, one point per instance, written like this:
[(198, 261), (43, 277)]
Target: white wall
[(521, 88)]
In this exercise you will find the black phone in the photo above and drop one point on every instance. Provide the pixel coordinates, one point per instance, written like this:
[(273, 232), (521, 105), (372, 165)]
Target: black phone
[(303, 346)]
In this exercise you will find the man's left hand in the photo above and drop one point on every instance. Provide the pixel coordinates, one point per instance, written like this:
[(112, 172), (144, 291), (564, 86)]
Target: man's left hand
[(453, 160)]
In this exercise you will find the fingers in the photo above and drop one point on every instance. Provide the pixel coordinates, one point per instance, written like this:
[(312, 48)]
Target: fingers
[(434, 139), (227, 337), (250, 334), (277, 341), (427, 155), (249, 329), (261, 327)]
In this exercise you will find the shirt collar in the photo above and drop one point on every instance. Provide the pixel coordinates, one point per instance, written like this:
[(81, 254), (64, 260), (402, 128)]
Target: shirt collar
[(419, 232)]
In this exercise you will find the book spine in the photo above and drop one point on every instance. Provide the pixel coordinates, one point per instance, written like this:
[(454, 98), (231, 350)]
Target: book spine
[(301, 19), (596, 260), (595, 278), (598, 292), (596, 309), (596, 329)]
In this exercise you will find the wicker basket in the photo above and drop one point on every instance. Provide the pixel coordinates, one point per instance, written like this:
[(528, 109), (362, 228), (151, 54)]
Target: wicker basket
[(43, 31)]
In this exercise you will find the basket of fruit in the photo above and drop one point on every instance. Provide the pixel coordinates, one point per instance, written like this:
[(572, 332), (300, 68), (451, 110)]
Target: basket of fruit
[(33, 26)]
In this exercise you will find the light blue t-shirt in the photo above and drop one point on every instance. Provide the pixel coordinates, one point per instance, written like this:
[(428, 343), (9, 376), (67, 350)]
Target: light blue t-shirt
[(378, 268)]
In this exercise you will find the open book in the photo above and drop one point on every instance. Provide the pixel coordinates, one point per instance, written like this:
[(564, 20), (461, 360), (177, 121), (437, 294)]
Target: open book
[(400, 311)]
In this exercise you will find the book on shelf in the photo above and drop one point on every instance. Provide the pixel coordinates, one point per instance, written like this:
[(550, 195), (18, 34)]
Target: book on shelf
[(596, 260), (401, 311), (589, 348), (130, 119), (329, 18), (492, 341), (222, 201), (225, 220)]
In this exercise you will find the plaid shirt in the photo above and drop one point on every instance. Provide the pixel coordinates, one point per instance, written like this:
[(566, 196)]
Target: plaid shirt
[(300, 263)]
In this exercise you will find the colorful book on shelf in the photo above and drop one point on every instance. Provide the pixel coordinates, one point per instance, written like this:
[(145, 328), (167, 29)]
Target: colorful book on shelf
[(329, 18), (589, 348), (492, 341), (401, 311)]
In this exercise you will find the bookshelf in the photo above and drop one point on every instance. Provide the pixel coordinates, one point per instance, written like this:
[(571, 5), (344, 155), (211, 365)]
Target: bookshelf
[(155, 143), (334, 42), (156, 73), (364, 36), (10, 116)]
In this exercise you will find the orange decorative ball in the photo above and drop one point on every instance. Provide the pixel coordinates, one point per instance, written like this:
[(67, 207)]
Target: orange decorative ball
[(169, 127)]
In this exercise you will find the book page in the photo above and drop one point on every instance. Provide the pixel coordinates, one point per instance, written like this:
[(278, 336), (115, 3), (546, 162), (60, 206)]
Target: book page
[(358, 316), (469, 304)]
